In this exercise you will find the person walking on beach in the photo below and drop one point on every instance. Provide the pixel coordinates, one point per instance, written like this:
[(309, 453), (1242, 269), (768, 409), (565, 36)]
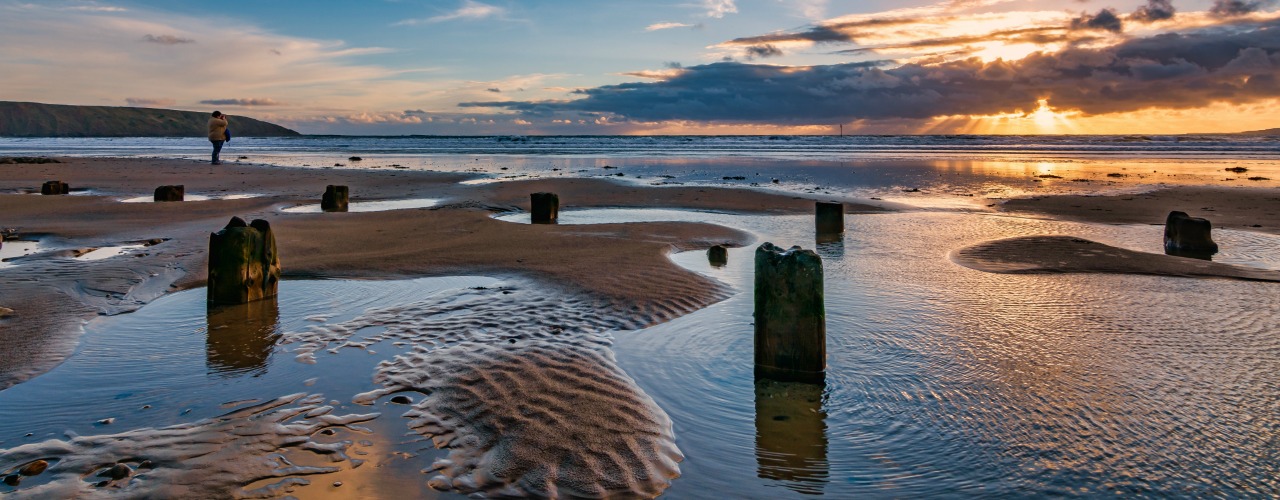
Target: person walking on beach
[(217, 134)]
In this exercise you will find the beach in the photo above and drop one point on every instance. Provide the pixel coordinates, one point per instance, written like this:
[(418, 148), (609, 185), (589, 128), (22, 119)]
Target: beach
[(568, 341)]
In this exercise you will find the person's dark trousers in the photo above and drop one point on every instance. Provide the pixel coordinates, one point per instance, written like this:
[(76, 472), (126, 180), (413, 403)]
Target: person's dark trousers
[(217, 148)]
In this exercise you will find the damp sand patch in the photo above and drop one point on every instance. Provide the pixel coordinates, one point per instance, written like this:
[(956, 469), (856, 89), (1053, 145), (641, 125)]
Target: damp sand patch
[(12, 251), (1067, 254)]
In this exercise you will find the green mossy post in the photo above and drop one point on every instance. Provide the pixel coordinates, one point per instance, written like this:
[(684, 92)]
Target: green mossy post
[(335, 198), (544, 208), (171, 193), (1188, 236), (791, 318), (55, 187), (718, 255), (243, 263), (829, 217)]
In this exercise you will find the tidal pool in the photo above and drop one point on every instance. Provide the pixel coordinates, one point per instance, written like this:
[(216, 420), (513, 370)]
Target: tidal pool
[(941, 381), (369, 206)]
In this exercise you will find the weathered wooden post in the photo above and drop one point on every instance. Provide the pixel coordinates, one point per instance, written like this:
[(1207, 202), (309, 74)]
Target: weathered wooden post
[(171, 193), (335, 198), (791, 319), (544, 208), (55, 187), (243, 264), (829, 217), (1188, 236), (718, 255)]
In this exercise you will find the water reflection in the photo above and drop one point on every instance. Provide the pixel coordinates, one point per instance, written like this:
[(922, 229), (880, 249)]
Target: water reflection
[(830, 246), (791, 435), (240, 338)]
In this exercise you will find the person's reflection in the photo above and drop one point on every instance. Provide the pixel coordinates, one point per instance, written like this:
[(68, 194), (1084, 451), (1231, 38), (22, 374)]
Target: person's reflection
[(791, 437), (240, 337)]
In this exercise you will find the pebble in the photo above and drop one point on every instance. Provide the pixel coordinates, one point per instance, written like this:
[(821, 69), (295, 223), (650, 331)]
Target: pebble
[(12, 480), (402, 400), (119, 471), (5, 312), (34, 468), (337, 484), (106, 421)]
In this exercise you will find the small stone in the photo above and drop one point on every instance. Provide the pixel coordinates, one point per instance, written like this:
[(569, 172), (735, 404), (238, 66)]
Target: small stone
[(34, 468), (401, 400), (355, 158), (5, 312), (337, 484), (147, 464), (12, 480), (106, 421), (328, 432), (118, 472)]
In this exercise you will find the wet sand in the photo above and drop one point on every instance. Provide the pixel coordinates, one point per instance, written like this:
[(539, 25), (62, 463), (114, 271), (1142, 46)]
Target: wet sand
[(51, 296), (1066, 254), (1250, 209)]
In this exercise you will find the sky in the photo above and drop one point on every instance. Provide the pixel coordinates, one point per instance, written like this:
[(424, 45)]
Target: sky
[(471, 67)]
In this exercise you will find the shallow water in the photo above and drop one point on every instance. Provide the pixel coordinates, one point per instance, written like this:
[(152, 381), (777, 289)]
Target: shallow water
[(16, 248), (941, 380), (368, 206)]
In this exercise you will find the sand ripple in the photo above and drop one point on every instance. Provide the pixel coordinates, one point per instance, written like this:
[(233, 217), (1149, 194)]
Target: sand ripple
[(210, 458), (523, 390)]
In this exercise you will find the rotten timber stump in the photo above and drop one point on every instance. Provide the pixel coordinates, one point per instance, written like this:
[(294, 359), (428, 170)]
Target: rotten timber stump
[(829, 217), (335, 198), (544, 208), (55, 187), (791, 318), (243, 263), (171, 193)]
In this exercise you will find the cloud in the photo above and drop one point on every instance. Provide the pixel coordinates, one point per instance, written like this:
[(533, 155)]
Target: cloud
[(666, 26), (1225, 64), (1105, 19), (1233, 8), (166, 39), (763, 51), (1154, 10), (146, 102), (242, 102), (718, 8), (469, 10)]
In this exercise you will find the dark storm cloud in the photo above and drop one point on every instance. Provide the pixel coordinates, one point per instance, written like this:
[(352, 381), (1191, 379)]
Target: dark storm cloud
[(1154, 10), (1232, 8), (1105, 20), (1233, 64)]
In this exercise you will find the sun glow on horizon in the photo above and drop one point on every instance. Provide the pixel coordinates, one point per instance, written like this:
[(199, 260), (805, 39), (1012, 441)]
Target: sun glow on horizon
[(1042, 120)]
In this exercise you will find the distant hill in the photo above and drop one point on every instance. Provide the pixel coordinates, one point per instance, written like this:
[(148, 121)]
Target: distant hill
[(30, 119)]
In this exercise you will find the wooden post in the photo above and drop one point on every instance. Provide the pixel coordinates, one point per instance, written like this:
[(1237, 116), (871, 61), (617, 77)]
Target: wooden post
[(718, 255), (55, 187), (243, 264), (335, 199), (829, 217), (791, 319), (171, 193), (544, 208), (1188, 236)]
